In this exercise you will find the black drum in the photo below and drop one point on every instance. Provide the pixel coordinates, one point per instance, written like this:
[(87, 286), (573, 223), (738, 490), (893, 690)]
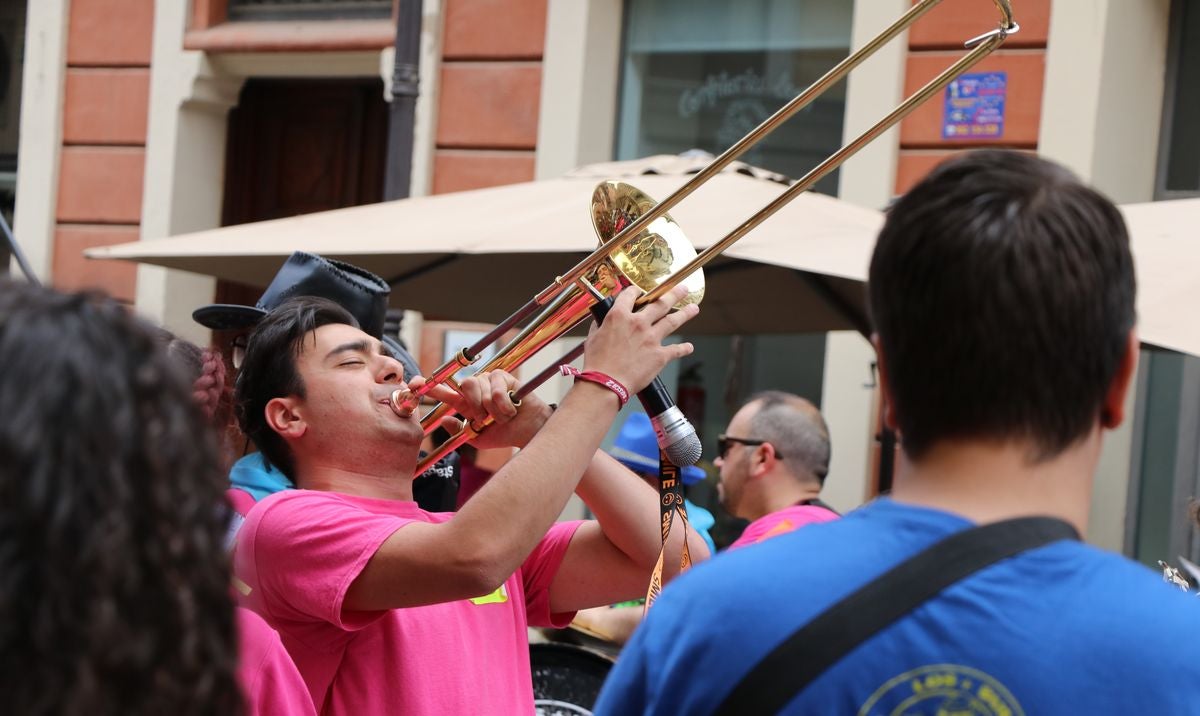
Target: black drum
[(566, 678)]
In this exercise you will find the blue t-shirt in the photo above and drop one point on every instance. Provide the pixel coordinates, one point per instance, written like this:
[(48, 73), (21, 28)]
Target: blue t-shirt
[(254, 475), (1063, 629)]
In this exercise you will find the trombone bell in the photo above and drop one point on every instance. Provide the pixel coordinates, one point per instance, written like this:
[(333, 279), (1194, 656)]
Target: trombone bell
[(652, 256), (645, 261)]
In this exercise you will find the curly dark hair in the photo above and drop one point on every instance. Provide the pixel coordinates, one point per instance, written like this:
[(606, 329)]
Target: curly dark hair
[(114, 580)]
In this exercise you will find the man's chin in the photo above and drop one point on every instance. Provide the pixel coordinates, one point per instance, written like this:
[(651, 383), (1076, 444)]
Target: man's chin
[(409, 438)]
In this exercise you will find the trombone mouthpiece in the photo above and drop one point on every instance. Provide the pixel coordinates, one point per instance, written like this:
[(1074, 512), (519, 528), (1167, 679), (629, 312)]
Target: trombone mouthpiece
[(404, 402)]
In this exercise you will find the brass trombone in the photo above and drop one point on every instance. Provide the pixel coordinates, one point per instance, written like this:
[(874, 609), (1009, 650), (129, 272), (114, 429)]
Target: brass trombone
[(641, 245)]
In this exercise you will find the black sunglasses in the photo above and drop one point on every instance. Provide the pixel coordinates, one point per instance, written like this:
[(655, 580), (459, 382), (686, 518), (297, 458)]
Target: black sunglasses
[(724, 442)]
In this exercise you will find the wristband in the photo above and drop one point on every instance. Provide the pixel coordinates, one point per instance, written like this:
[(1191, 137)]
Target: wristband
[(595, 376)]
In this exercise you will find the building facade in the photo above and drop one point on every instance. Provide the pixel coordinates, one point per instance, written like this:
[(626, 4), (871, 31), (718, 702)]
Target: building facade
[(142, 119)]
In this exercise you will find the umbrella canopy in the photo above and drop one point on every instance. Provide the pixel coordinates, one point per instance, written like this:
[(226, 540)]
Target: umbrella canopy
[(479, 255), (1166, 252)]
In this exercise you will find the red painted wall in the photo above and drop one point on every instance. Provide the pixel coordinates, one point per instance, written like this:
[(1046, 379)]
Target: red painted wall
[(935, 42), (490, 93), (105, 109)]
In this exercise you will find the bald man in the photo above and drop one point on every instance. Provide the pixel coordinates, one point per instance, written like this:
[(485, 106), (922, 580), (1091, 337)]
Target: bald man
[(773, 460)]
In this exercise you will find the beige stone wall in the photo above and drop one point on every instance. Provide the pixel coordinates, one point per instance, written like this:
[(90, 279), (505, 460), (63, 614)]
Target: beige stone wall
[(1105, 71)]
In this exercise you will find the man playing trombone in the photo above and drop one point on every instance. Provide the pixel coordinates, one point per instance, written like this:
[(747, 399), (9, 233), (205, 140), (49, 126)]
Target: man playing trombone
[(389, 609)]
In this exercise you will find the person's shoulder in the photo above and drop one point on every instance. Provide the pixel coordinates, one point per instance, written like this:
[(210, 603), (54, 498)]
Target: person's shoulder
[(295, 507), (1148, 617), (252, 628), (837, 551), (769, 565), (295, 499), (240, 500), (1123, 583)]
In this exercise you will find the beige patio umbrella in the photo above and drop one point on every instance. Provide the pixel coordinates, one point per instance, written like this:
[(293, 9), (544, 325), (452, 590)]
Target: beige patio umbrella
[(1166, 251), (479, 255)]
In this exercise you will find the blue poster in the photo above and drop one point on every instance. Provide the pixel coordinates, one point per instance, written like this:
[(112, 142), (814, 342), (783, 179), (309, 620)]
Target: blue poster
[(975, 106)]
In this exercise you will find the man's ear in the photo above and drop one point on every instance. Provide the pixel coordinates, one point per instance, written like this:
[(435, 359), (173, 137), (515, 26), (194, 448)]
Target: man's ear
[(762, 459), (1112, 413), (285, 417), (885, 386)]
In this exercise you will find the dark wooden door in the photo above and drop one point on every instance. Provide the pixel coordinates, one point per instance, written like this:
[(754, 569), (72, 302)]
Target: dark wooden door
[(299, 146)]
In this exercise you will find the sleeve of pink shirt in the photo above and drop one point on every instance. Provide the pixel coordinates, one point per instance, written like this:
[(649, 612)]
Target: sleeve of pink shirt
[(538, 572), (309, 549), (270, 683)]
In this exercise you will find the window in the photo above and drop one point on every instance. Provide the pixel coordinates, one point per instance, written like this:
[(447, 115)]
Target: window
[(1165, 471), (1179, 161), (703, 73), (1165, 458), (309, 9), (12, 61)]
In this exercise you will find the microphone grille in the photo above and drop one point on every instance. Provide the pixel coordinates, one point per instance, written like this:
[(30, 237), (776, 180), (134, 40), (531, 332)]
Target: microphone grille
[(686, 451)]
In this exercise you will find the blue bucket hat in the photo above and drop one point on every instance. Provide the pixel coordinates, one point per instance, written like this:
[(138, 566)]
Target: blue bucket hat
[(636, 447)]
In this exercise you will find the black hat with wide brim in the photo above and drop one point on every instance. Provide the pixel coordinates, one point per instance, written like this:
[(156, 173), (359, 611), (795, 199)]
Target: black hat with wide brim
[(363, 294), (227, 316), (359, 291)]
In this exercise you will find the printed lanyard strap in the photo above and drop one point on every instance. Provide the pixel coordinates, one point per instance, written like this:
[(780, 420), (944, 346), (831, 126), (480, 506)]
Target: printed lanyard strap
[(670, 503)]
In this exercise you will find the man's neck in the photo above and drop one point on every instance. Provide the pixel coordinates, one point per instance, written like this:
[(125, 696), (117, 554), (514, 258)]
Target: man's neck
[(784, 491), (375, 484), (989, 482)]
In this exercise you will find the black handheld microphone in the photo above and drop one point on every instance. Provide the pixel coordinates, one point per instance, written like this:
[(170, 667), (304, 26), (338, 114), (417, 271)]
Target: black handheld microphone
[(675, 433)]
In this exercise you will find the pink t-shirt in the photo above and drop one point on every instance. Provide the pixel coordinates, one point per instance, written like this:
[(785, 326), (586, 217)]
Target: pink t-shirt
[(240, 500), (298, 554), (782, 522), (269, 680)]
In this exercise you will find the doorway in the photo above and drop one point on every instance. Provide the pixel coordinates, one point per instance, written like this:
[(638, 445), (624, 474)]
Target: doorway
[(301, 146)]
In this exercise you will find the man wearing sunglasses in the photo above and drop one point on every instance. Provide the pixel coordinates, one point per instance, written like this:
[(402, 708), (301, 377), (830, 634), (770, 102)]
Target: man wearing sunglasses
[(773, 459)]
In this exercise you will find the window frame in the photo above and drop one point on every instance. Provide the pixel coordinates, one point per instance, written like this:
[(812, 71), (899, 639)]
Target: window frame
[(1170, 86), (252, 11)]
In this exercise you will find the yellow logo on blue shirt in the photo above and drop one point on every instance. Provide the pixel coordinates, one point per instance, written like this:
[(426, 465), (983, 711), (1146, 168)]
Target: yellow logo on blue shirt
[(943, 688), (500, 596)]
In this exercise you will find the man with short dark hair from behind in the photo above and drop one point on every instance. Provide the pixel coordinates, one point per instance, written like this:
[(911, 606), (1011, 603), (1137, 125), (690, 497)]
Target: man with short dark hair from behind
[(773, 459), (1002, 295), (389, 609)]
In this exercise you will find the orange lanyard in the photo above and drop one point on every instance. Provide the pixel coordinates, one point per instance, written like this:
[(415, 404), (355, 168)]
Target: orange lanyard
[(670, 493)]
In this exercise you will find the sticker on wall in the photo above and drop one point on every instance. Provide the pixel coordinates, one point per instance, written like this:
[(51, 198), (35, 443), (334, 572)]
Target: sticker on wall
[(975, 106)]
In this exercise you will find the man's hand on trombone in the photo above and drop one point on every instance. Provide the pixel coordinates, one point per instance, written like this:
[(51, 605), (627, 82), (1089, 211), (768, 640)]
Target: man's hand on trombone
[(487, 394), (628, 347)]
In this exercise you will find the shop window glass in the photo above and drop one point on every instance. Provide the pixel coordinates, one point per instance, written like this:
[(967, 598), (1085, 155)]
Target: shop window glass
[(703, 73), (1179, 174), (308, 9), (12, 63)]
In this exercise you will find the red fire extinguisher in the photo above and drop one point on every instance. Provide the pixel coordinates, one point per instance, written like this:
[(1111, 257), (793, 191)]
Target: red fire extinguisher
[(690, 396)]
